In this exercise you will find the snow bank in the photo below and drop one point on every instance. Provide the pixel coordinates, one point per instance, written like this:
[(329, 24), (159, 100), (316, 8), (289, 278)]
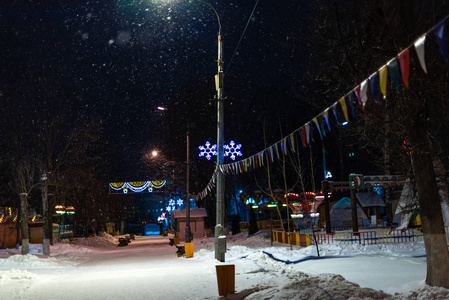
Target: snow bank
[(149, 269)]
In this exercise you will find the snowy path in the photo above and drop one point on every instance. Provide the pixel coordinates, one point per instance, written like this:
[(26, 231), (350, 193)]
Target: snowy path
[(146, 269), (149, 269)]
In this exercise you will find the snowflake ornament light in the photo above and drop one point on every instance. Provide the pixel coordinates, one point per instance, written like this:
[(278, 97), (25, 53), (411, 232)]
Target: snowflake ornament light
[(208, 150), (232, 150)]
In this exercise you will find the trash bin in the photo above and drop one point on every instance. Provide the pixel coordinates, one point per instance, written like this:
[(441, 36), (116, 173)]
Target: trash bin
[(188, 249), (225, 279)]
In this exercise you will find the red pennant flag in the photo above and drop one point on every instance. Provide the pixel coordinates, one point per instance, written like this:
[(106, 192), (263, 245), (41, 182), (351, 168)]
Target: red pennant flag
[(357, 94), (404, 60)]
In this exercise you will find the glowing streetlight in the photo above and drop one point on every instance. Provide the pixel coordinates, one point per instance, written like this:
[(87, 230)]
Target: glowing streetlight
[(220, 238)]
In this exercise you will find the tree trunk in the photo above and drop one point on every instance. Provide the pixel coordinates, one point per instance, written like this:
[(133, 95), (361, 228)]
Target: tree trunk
[(430, 207), (45, 221), (24, 224)]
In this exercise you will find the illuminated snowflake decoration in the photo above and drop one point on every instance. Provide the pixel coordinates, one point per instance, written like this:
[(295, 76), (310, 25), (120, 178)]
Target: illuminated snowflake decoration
[(169, 208), (208, 150), (232, 150), (180, 202), (171, 202)]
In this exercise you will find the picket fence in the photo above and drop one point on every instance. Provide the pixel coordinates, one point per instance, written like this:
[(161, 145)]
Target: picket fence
[(384, 236)]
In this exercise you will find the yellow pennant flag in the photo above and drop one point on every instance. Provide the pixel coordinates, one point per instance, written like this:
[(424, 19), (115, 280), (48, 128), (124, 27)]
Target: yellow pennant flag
[(383, 80), (344, 108), (292, 139)]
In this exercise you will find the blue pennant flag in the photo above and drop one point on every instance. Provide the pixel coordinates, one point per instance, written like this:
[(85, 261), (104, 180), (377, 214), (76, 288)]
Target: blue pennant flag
[(374, 84), (393, 67), (439, 33)]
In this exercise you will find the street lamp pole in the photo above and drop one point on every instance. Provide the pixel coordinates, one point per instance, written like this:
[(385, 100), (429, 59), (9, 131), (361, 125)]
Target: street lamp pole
[(220, 238), (187, 238)]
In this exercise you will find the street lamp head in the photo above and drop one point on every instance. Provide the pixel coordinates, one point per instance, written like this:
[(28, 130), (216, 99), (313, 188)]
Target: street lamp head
[(161, 108), (154, 153)]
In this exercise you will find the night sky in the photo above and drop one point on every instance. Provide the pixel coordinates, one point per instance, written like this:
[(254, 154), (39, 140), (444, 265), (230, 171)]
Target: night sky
[(120, 59)]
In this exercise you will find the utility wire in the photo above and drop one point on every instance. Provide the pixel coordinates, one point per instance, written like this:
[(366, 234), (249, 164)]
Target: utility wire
[(241, 37)]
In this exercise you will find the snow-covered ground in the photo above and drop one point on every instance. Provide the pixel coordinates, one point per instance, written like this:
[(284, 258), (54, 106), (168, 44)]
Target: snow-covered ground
[(149, 268)]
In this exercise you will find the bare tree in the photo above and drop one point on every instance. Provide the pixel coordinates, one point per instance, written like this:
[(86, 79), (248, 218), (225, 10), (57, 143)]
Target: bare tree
[(25, 178)]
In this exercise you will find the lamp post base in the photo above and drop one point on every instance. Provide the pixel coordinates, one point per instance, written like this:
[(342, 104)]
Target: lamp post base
[(220, 243)]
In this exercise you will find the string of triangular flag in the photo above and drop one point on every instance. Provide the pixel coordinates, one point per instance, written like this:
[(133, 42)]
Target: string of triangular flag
[(397, 67)]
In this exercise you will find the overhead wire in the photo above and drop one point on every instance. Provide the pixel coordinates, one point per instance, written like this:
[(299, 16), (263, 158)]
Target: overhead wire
[(241, 37)]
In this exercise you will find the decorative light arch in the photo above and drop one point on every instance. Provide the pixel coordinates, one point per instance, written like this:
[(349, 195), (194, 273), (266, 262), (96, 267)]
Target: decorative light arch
[(137, 186)]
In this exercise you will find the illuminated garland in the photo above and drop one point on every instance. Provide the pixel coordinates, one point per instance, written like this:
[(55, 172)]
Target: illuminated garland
[(8, 214), (137, 186), (61, 210)]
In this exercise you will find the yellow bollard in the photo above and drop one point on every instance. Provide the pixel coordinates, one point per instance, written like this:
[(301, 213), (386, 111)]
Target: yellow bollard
[(176, 240), (188, 247), (225, 279)]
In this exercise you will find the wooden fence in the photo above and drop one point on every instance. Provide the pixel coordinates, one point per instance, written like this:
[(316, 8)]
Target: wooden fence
[(383, 236)]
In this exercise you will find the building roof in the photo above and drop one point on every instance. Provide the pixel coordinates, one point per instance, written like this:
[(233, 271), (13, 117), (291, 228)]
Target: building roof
[(370, 199), (194, 213)]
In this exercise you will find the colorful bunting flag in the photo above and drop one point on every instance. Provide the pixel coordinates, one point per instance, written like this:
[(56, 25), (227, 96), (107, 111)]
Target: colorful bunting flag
[(292, 140), (334, 109), (374, 85), (404, 61), (311, 131), (393, 67), (357, 94), (419, 47), (343, 107), (351, 102), (325, 115), (439, 33), (315, 120), (322, 126), (285, 145), (383, 80), (303, 136), (307, 133), (363, 92), (277, 150)]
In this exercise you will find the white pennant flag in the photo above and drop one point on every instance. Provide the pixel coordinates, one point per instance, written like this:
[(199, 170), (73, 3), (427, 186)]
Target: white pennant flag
[(419, 47), (363, 90), (307, 132)]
